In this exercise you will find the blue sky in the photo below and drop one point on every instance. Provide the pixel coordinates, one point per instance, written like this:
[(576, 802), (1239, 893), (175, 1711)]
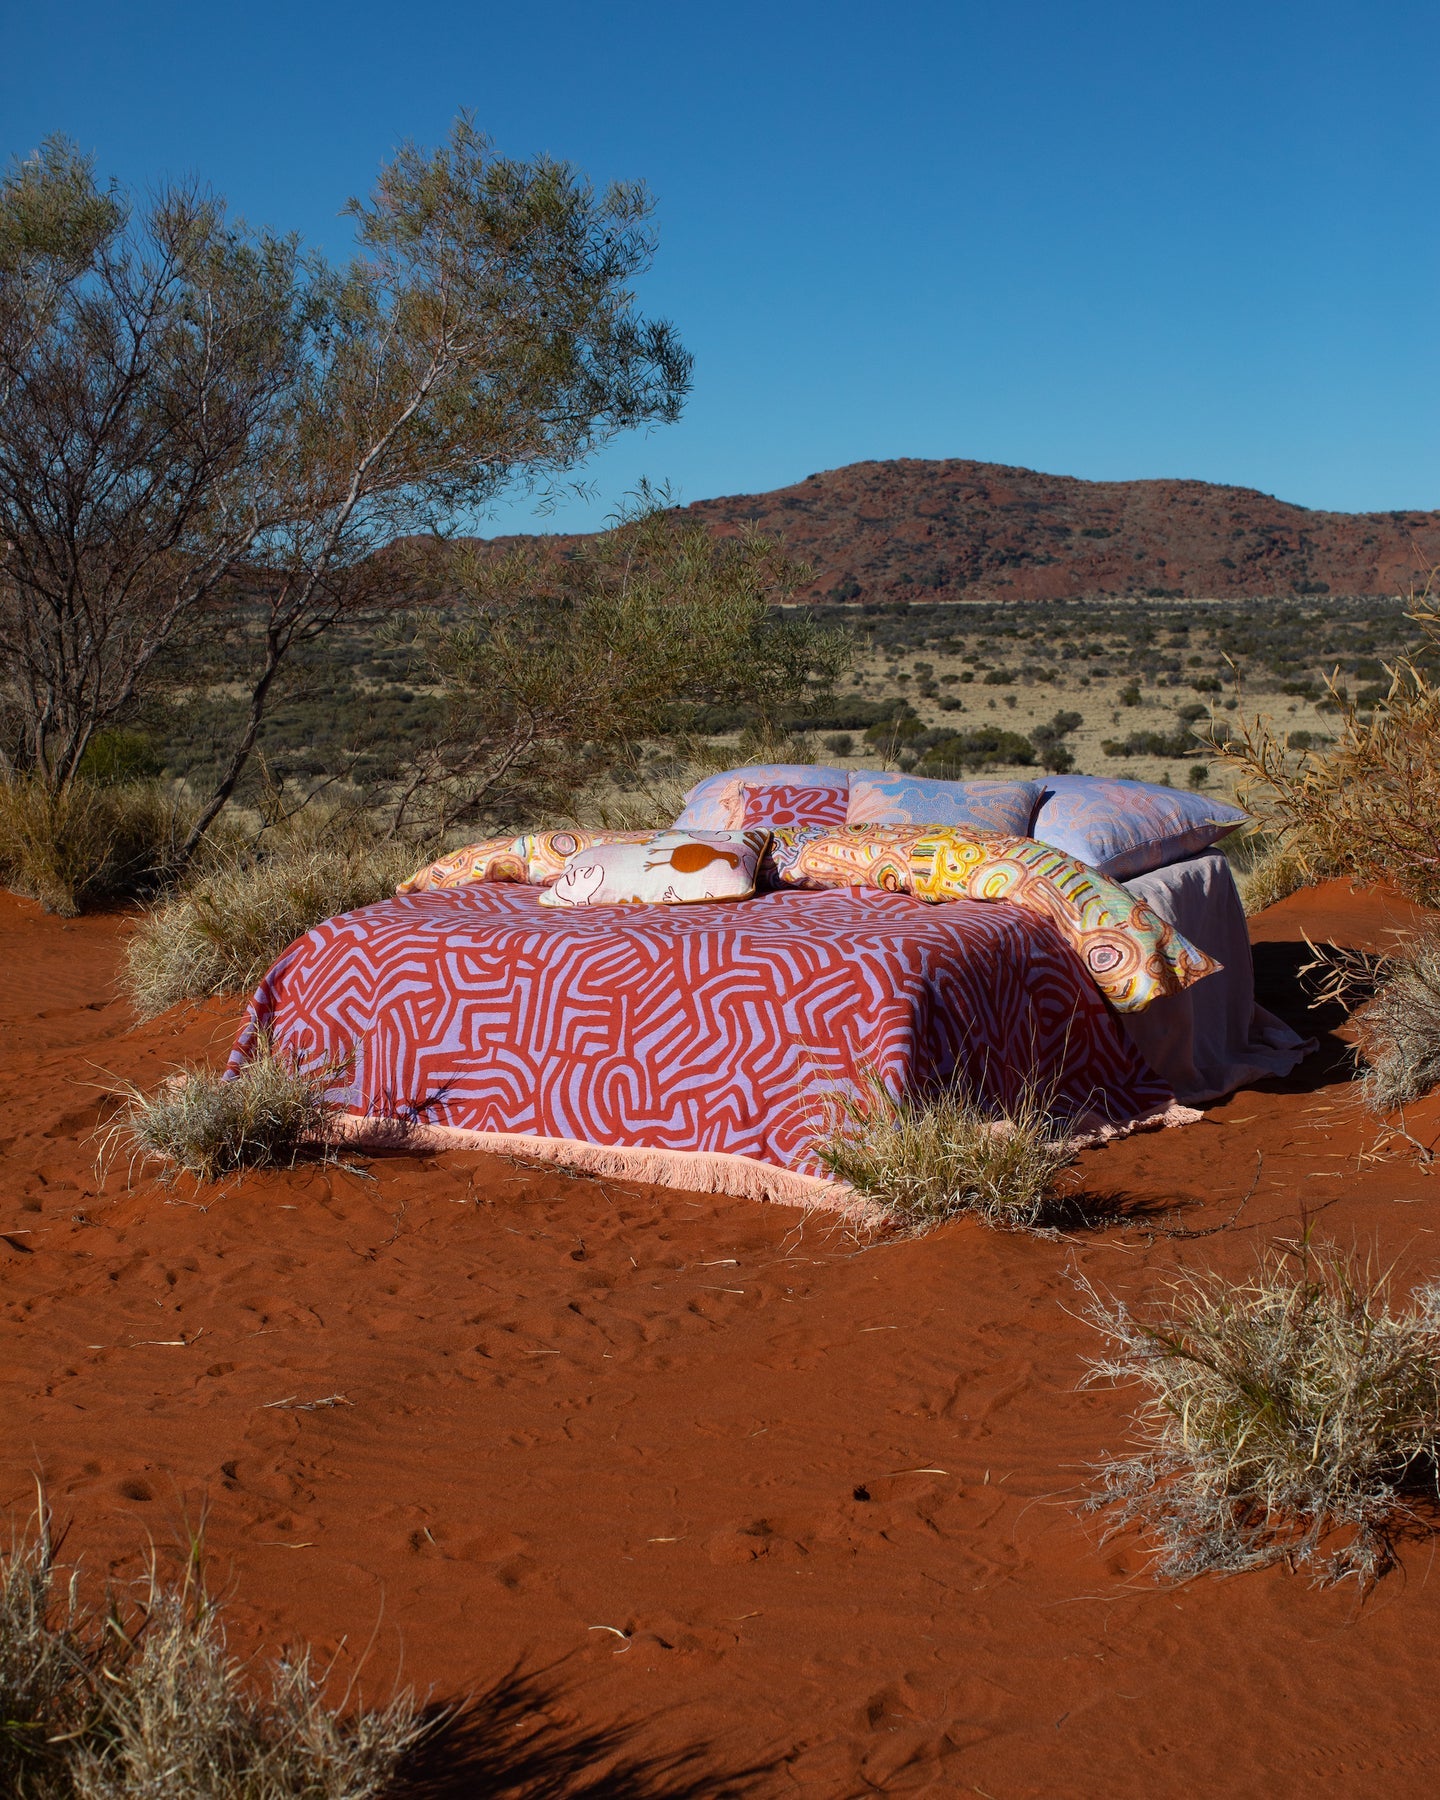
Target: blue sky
[(1106, 239)]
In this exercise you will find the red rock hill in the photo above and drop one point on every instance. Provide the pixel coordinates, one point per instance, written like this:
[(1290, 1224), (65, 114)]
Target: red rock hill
[(979, 531)]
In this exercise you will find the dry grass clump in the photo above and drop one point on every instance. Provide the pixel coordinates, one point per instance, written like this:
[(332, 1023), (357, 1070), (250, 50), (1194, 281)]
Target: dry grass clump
[(1266, 871), (926, 1161), (1368, 805), (223, 930), (90, 845), (1278, 1411), (145, 1702), (1397, 1031), (269, 1115)]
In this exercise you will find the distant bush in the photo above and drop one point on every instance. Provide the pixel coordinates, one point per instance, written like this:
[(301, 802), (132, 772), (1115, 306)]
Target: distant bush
[(999, 678), (112, 757), (840, 743), (1279, 1411), (1152, 743), (945, 752)]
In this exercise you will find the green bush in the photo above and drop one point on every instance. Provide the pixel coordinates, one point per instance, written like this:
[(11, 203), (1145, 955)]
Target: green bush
[(145, 1702), (926, 1161)]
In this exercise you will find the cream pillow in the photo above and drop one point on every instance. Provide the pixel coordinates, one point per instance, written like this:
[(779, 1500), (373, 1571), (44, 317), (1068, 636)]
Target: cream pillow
[(675, 868)]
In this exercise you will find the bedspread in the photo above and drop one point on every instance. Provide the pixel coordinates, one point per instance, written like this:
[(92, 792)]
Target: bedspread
[(714, 1027)]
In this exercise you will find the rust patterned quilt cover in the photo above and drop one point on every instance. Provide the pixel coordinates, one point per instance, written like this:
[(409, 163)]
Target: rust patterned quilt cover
[(712, 1027)]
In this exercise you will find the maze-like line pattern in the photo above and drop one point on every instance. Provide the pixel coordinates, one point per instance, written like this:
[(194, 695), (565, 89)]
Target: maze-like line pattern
[(709, 1027)]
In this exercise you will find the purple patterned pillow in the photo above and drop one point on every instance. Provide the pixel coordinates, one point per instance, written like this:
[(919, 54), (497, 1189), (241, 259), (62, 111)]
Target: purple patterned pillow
[(985, 803), (1125, 828), (718, 802)]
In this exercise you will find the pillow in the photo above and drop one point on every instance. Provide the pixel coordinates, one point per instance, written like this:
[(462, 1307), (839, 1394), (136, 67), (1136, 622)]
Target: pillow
[(785, 805), (718, 802), (538, 859), (984, 804), (1125, 828), (547, 852), (492, 859), (675, 868)]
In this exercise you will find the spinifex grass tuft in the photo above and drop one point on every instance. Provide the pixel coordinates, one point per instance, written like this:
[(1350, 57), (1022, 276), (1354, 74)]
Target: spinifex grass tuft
[(90, 845), (266, 1117), (222, 932), (929, 1160), (145, 1702), (1397, 1031), (1279, 1412)]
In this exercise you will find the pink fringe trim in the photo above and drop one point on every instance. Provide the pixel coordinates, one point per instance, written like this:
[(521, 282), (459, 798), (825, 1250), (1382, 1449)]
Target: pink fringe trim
[(695, 1171), (1093, 1131)]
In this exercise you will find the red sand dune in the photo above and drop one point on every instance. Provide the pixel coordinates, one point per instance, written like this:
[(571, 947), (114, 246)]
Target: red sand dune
[(722, 1479)]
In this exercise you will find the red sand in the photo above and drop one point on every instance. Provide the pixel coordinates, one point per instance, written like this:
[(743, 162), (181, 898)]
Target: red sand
[(815, 1516)]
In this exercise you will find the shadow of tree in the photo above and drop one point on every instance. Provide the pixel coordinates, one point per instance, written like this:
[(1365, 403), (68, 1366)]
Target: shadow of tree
[(504, 1744)]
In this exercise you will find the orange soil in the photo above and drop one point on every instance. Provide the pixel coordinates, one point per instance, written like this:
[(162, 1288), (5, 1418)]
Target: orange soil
[(815, 1517)]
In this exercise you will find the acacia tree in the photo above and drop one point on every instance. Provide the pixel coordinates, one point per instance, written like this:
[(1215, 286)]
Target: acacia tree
[(230, 410), (565, 661), (146, 359)]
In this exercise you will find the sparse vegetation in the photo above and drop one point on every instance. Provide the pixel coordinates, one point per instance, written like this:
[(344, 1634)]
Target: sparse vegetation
[(143, 1701), (267, 1116), (932, 1159), (1280, 1413), (1368, 804)]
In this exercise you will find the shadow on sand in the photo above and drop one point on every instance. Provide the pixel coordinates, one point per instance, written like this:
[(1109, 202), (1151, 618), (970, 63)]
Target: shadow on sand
[(505, 1744)]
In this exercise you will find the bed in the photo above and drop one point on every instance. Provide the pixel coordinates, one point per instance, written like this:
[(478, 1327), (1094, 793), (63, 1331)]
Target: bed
[(696, 1045)]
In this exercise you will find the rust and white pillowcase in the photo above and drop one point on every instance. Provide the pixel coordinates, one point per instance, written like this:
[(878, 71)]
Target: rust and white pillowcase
[(674, 868)]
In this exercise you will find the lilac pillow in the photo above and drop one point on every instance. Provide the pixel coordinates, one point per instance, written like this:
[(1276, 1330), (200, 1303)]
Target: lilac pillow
[(718, 802), (985, 803), (1125, 828)]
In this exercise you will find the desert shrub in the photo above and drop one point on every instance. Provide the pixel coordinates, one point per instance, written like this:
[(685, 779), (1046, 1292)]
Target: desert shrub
[(269, 1115), (945, 751), (116, 756), (89, 844), (928, 1160), (840, 743), (1397, 1031), (1278, 1411), (1272, 872), (145, 1700), (1368, 804), (223, 930)]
